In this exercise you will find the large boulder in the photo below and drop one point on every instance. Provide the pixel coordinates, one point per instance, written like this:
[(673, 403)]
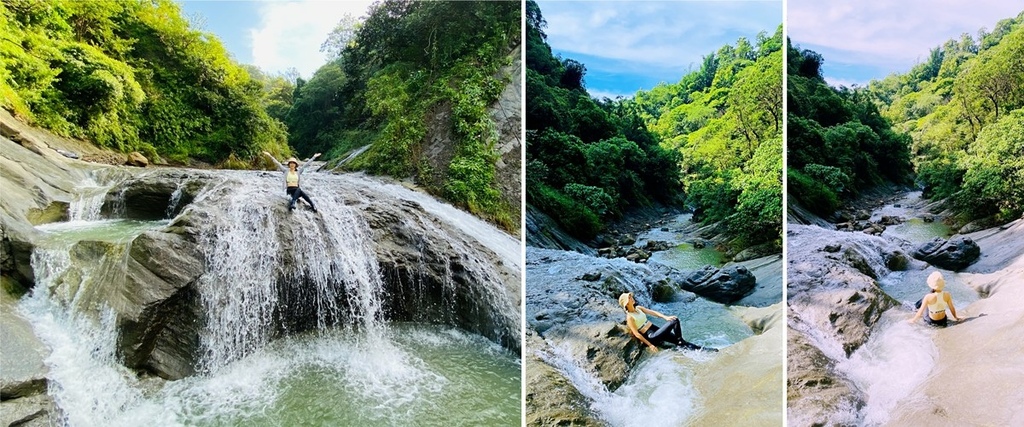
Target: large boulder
[(816, 394), (831, 282), (725, 285), (954, 254)]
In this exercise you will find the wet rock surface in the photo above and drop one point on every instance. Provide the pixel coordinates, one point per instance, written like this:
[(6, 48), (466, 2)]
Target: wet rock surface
[(22, 372), (725, 285), (956, 253)]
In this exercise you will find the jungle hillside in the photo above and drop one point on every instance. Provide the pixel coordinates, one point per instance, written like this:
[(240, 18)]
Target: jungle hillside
[(711, 142), (138, 76), (963, 108), (953, 124)]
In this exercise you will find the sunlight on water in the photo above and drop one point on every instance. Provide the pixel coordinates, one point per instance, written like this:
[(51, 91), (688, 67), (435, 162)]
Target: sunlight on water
[(106, 230)]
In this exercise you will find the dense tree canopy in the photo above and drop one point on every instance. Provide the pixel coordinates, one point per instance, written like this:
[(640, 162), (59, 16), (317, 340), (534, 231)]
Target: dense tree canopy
[(712, 140), (962, 108), (131, 75), (837, 144), (406, 62)]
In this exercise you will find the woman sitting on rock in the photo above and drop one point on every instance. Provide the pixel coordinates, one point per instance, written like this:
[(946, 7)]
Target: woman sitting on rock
[(649, 333), (936, 302), (291, 179)]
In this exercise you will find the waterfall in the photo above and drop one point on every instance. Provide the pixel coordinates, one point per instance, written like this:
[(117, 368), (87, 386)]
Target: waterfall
[(289, 309), (88, 201), (261, 271), (172, 205), (659, 391)]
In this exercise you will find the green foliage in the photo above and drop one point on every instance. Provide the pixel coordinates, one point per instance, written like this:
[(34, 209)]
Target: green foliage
[(575, 217), (961, 111), (813, 194), (725, 121), (130, 76), (838, 142), (406, 64), (993, 181), (711, 134)]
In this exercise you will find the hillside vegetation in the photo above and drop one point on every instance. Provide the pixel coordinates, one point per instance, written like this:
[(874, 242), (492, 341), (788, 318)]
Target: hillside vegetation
[(136, 76), (406, 63), (838, 143), (712, 141), (131, 75), (962, 107)]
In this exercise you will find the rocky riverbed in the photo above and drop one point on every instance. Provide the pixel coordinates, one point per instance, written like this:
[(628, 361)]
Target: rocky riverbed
[(854, 360)]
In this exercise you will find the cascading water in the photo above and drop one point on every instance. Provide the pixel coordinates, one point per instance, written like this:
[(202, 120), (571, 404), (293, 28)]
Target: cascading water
[(294, 327), (661, 389)]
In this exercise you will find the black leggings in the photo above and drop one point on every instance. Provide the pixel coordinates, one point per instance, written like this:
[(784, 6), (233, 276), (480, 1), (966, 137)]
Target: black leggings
[(670, 332), (297, 192)]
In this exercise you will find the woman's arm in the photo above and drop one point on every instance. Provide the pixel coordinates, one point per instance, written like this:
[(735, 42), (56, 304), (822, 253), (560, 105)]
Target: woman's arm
[(305, 163), (636, 333), (949, 302), (279, 165), (920, 311), (655, 313)]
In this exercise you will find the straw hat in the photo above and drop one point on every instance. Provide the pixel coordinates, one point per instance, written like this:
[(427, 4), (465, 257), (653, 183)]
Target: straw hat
[(936, 281), (624, 299)]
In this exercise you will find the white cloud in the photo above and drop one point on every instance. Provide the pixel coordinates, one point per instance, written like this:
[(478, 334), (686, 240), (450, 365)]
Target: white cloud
[(837, 82), (290, 33), (663, 34), (599, 94), (890, 33)]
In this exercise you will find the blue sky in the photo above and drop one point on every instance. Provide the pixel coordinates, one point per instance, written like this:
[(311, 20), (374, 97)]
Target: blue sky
[(864, 40), (273, 35), (632, 45)]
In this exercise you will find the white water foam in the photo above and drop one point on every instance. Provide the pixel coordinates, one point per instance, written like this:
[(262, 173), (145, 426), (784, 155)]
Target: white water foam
[(658, 392), (890, 366)]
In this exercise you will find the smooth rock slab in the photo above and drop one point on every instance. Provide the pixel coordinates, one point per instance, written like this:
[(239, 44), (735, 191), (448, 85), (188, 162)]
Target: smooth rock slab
[(954, 254)]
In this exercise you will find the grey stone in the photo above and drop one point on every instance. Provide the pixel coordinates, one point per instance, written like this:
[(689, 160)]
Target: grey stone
[(725, 285), (22, 371), (956, 253)]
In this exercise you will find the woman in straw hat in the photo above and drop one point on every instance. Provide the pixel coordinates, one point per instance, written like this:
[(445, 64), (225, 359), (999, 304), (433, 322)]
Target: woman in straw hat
[(291, 179), (649, 333), (935, 302)]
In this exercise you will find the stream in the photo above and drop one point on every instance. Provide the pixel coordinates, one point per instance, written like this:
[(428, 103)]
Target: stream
[(889, 369), (661, 389), (355, 367)]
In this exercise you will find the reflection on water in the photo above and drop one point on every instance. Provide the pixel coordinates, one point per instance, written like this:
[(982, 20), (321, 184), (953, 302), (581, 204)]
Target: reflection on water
[(917, 231), (686, 257)]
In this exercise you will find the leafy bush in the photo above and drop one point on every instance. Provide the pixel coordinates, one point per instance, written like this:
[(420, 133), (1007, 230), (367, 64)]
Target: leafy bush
[(812, 194), (574, 217)]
